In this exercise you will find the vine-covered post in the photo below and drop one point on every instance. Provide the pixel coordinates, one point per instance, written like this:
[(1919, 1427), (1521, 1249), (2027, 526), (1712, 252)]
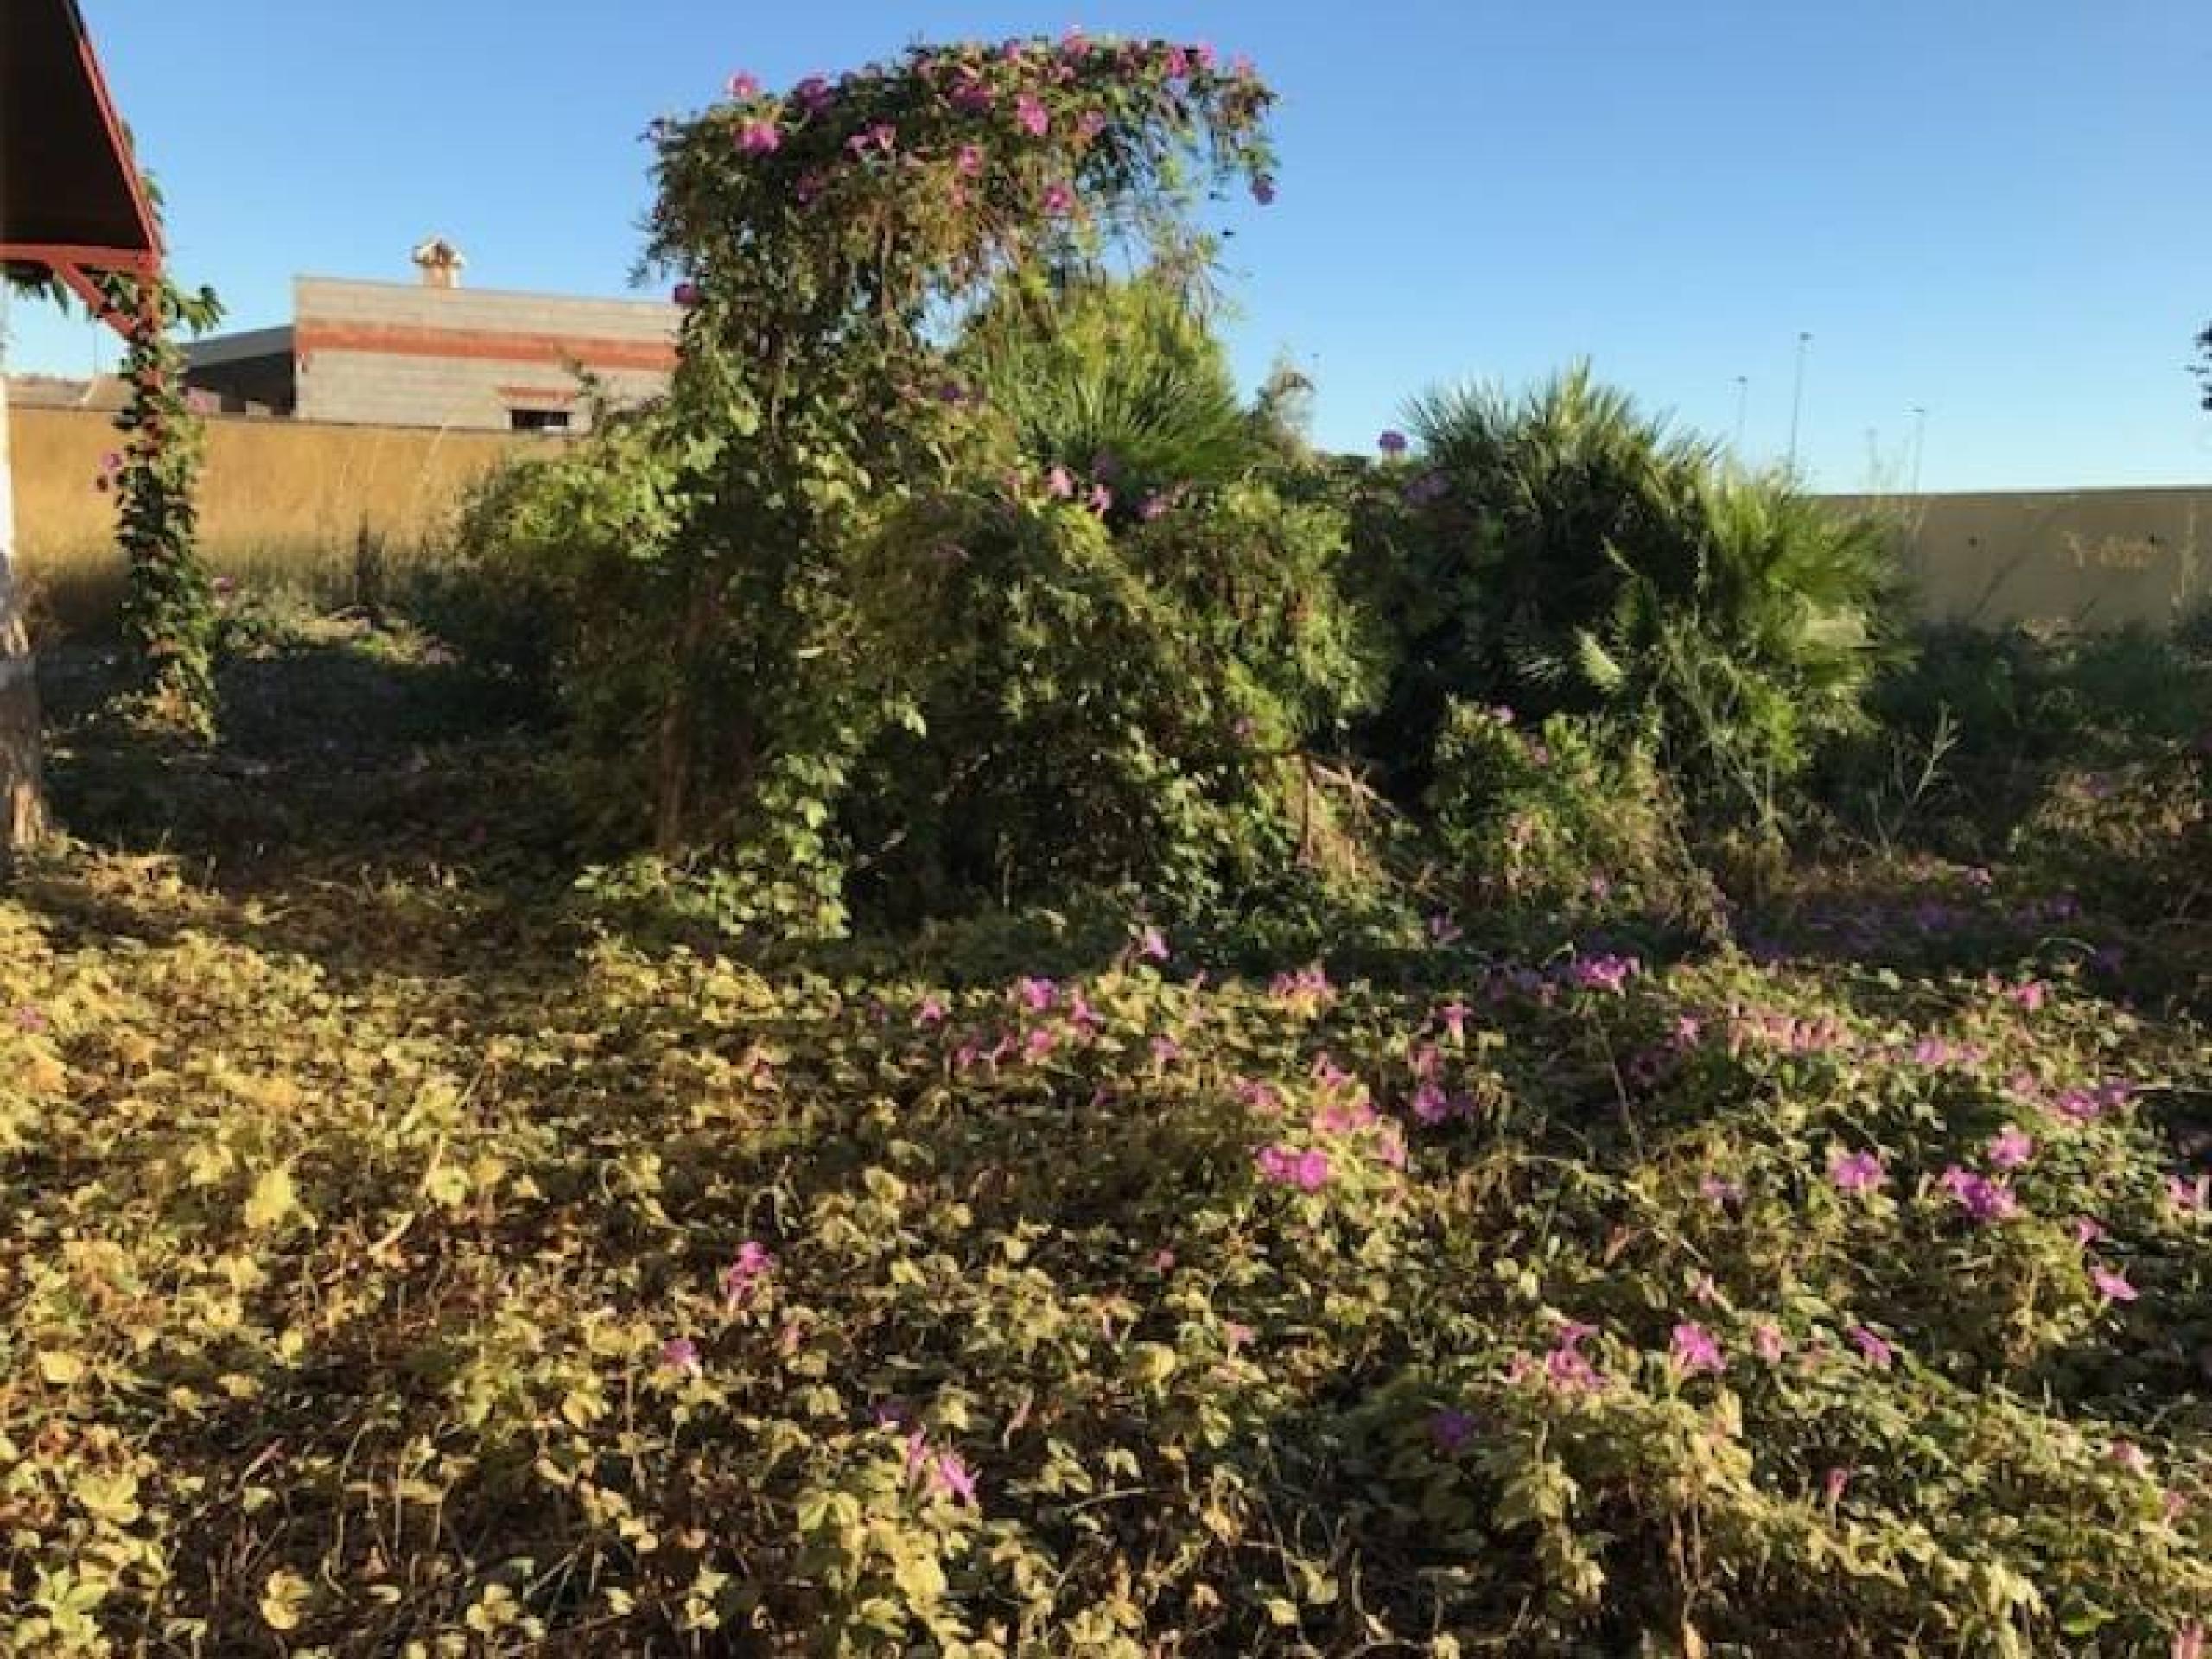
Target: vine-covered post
[(169, 612)]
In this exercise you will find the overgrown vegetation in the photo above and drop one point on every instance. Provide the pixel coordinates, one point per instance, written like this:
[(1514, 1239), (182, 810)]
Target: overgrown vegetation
[(946, 996)]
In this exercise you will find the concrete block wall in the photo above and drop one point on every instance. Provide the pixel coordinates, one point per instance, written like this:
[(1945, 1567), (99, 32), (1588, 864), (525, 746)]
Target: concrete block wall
[(382, 352)]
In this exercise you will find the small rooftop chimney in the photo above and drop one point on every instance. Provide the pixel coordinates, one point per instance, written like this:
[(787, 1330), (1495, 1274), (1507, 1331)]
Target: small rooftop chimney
[(440, 262)]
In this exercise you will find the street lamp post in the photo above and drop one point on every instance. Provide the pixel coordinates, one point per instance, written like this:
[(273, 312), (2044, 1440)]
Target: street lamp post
[(1797, 396), (1919, 442)]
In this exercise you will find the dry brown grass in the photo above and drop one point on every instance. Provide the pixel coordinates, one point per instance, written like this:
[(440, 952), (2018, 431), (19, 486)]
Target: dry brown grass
[(283, 504)]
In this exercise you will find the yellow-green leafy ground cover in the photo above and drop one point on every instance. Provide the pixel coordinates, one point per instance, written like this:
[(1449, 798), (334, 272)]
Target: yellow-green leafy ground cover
[(396, 1262)]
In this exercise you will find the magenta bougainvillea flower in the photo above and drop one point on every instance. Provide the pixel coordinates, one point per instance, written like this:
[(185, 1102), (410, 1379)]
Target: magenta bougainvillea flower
[(968, 161), (1857, 1172), (758, 138), (2111, 1284), (1058, 199), (742, 85), (1031, 115), (974, 96), (1099, 501), (686, 295), (1152, 944), (931, 1012), (1566, 1367), (1696, 1348), (1038, 995), (2011, 1147)]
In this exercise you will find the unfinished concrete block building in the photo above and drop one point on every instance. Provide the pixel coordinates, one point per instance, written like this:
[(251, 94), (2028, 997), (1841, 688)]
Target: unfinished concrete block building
[(434, 354)]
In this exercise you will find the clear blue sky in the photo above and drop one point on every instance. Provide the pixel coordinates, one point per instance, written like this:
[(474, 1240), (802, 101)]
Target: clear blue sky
[(1998, 212)]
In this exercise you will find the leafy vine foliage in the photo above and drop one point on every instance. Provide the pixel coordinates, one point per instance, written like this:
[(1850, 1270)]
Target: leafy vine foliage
[(907, 623)]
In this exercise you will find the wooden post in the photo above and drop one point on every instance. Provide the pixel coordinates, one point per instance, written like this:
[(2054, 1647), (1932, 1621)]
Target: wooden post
[(22, 802)]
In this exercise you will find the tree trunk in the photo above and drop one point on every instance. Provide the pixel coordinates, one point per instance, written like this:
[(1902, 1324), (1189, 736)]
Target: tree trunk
[(22, 806)]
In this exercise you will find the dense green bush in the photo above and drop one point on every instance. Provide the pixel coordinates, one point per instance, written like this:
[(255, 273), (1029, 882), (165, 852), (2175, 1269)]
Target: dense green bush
[(1562, 552)]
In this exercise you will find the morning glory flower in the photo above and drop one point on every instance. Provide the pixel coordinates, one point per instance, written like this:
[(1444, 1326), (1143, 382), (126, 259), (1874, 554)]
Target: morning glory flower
[(1392, 442), (2112, 1284), (2011, 1147), (1031, 115), (1857, 1172), (758, 138), (1696, 1348)]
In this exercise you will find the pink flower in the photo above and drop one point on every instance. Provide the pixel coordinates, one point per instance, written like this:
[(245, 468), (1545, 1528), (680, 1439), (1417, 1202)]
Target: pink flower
[(1090, 123), (1060, 200), (2111, 1284), (758, 138), (1059, 483), (1454, 1016), (1979, 1197), (1038, 995), (2131, 1457), (1152, 944), (1834, 1483), (933, 1011), (814, 94), (1040, 1043), (2030, 996), (968, 162), (1392, 442), (1165, 1050), (680, 1355), (1857, 1172), (2011, 1147), (1431, 1105), (1205, 53), (1878, 1353), (1031, 115), (972, 95), (1695, 1350), (1714, 1189), (950, 1476), (744, 86), (2188, 1641), (2088, 1229), (1100, 500), (1307, 1171), (1175, 63), (1235, 1336), (2190, 1197), (1565, 1366), (686, 295), (743, 1276), (1769, 1344)]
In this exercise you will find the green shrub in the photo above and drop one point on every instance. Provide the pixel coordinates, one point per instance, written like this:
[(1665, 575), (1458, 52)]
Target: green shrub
[(1563, 552), (1573, 819)]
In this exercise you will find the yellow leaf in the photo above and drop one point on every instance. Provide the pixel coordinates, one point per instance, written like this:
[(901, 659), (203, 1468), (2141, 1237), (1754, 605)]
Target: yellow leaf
[(283, 1600), (273, 1198), (59, 1368)]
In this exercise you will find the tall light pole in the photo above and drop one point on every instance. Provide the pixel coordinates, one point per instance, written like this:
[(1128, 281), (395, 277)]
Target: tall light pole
[(1797, 397), (1919, 442), (1743, 405)]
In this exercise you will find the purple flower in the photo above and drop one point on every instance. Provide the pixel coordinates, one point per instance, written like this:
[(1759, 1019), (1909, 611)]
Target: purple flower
[(1857, 1172), (1715, 1189), (1878, 1353), (1059, 483), (968, 161), (1979, 1197), (1175, 63), (1263, 190), (686, 295), (972, 95), (1694, 1349), (2111, 1284), (2190, 1197), (1392, 442), (1152, 945), (814, 94), (1451, 1429), (931, 1012), (1431, 1105), (1307, 1171), (1038, 995), (1099, 501), (1031, 115), (2088, 1229), (680, 1355), (2011, 1147), (760, 137), (1165, 1050)]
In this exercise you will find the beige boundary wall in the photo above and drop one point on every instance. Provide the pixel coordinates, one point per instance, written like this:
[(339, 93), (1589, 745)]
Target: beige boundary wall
[(2065, 558), (269, 484)]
